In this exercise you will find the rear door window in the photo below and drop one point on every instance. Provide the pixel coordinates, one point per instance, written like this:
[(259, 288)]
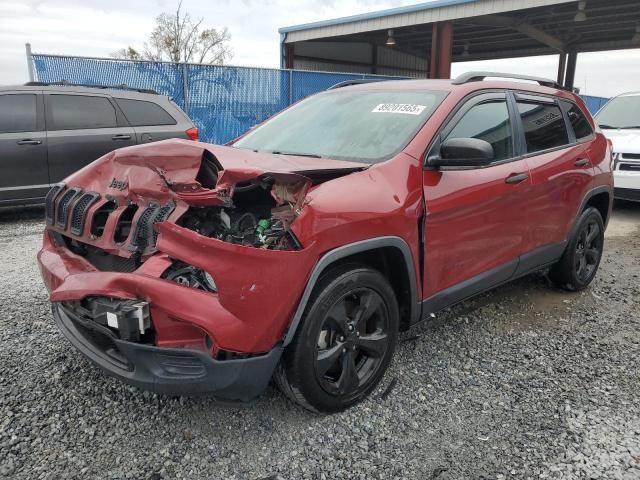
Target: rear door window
[(75, 112), (544, 125), (141, 113), (18, 113), (581, 126), (488, 121)]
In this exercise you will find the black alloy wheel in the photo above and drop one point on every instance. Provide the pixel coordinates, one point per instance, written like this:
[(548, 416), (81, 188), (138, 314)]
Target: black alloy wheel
[(579, 263), (352, 343), (588, 250), (345, 341)]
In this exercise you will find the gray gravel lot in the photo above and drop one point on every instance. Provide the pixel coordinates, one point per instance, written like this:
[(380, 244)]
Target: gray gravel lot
[(523, 382)]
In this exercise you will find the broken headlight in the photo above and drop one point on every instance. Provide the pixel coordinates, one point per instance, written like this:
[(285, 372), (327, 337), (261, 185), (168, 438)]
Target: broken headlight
[(190, 276)]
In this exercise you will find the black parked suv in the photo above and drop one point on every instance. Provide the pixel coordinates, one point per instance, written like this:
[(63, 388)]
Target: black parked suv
[(48, 131)]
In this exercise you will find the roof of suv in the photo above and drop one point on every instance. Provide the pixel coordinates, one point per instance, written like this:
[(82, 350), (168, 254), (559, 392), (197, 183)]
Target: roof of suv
[(468, 82), (115, 91)]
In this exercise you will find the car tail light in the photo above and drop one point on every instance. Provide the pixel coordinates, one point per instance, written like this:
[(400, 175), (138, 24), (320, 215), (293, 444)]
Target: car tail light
[(192, 133)]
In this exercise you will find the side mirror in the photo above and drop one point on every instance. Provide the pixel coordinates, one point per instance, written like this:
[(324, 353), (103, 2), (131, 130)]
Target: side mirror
[(463, 152)]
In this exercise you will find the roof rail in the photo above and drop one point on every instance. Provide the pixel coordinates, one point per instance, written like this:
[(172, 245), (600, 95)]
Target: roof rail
[(479, 76), (64, 83), (347, 83)]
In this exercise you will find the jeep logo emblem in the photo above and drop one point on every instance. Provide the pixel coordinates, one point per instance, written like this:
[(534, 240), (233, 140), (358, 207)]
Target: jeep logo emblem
[(118, 184)]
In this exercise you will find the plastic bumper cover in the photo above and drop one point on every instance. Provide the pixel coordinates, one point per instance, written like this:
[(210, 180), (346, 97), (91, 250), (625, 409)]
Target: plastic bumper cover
[(169, 371)]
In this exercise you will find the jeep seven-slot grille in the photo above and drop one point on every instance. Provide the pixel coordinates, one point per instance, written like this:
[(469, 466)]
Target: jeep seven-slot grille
[(62, 209), (68, 208), (80, 211), (50, 203)]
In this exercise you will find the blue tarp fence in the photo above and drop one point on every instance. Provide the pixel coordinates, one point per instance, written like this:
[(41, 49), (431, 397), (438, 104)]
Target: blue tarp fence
[(594, 103), (222, 101)]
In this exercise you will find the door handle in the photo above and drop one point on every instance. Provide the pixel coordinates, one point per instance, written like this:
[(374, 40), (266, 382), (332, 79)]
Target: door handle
[(121, 137), (517, 178), (28, 141), (581, 162)]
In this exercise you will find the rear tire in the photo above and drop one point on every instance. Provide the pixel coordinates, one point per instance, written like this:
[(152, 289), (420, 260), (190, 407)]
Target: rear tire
[(344, 343), (579, 264)]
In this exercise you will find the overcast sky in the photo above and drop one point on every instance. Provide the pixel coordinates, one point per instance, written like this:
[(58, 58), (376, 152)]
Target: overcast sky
[(97, 28)]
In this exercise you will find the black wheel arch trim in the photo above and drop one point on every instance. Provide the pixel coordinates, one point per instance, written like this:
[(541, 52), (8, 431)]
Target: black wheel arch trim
[(588, 196), (344, 251)]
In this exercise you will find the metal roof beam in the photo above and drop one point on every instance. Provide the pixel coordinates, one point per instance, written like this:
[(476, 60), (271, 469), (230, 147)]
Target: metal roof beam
[(522, 27)]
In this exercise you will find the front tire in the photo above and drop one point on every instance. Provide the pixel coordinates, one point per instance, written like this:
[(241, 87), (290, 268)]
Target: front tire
[(579, 263), (345, 341)]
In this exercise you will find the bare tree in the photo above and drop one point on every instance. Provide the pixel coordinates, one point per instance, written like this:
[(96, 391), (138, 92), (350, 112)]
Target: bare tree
[(178, 38)]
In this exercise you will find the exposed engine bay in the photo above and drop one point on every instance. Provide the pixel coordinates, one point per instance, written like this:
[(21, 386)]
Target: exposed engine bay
[(261, 214)]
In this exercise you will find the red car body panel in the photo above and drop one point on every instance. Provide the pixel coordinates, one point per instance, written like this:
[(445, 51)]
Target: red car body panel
[(475, 222), (471, 220)]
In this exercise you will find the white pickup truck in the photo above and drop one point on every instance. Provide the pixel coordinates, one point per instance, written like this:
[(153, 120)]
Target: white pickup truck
[(619, 120)]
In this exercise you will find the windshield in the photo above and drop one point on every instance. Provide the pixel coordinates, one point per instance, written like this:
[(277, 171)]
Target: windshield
[(621, 112), (364, 126)]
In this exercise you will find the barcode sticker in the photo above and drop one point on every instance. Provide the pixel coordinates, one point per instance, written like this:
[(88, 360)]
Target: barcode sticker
[(407, 108)]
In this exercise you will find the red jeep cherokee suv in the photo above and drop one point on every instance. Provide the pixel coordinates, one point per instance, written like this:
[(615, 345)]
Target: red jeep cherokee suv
[(299, 250)]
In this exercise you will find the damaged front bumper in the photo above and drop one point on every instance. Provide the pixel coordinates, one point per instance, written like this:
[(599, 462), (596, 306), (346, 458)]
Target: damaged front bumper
[(226, 343), (173, 371)]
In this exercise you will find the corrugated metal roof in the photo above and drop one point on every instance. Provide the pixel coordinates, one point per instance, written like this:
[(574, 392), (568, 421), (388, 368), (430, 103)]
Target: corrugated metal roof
[(422, 13), (372, 15)]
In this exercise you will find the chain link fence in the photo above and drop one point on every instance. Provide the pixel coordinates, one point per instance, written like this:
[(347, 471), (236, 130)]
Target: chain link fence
[(222, 101)]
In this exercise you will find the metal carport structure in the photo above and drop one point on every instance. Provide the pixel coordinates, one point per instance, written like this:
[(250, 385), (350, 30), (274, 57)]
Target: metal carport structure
[(423, 40)]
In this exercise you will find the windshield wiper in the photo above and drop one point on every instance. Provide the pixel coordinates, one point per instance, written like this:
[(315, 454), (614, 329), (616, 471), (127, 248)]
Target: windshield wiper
[(629, 127), (607, 127), (312, 155)]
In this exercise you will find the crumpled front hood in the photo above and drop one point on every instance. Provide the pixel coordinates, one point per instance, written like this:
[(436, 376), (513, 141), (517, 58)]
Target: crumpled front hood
[(171, 168), (624, 141)]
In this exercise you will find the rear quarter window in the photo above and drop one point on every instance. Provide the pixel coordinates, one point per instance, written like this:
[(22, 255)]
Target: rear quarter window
[(579, 123), (141, 113), (544, 126)]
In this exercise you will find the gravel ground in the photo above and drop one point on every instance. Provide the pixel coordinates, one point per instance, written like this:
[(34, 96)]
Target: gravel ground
[(523, 382)]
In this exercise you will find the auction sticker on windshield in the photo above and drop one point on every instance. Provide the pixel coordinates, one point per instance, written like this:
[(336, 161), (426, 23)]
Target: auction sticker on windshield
[(407, 108)]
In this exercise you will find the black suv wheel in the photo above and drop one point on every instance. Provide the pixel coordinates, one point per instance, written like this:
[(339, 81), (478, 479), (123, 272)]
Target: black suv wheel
[(344, 343), (579, 263)]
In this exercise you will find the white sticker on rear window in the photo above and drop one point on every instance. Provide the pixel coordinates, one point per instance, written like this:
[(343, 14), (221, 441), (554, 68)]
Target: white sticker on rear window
[(407, 108)]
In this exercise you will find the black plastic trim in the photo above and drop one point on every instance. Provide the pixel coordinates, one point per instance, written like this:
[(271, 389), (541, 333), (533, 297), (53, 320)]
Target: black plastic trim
[(175, 371), (79, 211), (528, 263), (629, 194), (64, 205), (540, 258), (590, 194), (348, 250), (469, 288)]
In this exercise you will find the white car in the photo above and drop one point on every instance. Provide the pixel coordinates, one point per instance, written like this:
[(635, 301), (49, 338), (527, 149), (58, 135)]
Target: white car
[(619, 120)]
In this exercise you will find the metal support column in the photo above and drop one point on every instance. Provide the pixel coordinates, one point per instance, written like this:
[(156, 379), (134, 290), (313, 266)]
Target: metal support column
[(185, 87), (570, 76), (288, 55), (374, 58), (32, 76), (562, 67), (441, 50)]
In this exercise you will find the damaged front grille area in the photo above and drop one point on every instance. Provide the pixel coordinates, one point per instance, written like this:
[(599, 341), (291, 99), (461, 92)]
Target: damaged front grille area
[(144, 236), (101, 260), (260, 217), (64, 205), (67, 209), (80, 211)]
